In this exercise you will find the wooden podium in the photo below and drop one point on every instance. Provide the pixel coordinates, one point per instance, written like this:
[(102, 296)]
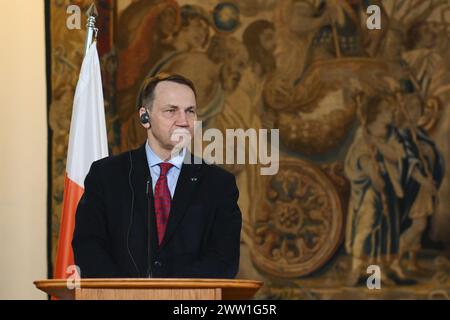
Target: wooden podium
[(152, 289)]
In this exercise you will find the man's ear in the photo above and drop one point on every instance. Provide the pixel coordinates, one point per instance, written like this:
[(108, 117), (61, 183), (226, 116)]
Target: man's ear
[(144, 118)]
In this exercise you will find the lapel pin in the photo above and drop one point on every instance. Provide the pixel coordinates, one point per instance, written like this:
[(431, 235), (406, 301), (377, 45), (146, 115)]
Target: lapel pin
[(194, 179)]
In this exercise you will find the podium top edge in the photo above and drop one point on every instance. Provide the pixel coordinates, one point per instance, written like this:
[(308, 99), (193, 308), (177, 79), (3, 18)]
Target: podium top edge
[(152, 283)]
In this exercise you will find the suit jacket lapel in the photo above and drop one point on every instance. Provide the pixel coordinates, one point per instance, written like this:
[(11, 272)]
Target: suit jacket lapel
[(187, 185)]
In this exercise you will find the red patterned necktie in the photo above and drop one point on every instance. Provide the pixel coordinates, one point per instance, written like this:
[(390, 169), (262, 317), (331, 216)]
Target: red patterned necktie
[(162, 200)]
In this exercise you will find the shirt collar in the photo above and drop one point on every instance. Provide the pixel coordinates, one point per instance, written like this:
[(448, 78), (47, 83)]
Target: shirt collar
[(154, 160)]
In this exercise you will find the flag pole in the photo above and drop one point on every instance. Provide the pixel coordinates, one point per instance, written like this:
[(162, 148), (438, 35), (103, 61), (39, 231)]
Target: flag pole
[(92, 14), (88, 142)]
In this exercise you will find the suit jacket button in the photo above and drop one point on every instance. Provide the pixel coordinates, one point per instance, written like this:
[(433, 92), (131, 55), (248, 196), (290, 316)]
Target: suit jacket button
[(157, 264)]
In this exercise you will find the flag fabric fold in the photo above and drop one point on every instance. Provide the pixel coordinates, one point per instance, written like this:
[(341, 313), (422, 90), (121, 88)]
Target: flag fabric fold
[(87, 143)]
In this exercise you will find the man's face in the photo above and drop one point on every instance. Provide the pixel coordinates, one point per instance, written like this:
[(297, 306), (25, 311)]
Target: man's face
[(167, 21), (173, 112), (197, 30), (267, 40), (380, 126)]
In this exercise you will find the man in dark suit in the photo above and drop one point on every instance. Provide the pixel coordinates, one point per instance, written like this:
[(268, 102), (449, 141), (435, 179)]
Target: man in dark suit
[(151, 212)]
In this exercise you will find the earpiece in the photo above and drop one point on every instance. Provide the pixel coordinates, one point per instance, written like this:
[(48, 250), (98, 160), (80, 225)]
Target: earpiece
[(145, 118)]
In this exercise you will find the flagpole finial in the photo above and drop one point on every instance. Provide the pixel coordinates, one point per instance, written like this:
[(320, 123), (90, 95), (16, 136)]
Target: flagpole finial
[(92, 14), (92, 11)]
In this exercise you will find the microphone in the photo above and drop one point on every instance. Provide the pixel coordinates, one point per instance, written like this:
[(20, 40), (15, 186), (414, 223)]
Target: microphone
[(130, 173), (149, 212)]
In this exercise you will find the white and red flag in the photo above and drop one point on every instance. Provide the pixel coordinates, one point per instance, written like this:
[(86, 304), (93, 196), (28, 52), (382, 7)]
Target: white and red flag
[(87, 143)]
